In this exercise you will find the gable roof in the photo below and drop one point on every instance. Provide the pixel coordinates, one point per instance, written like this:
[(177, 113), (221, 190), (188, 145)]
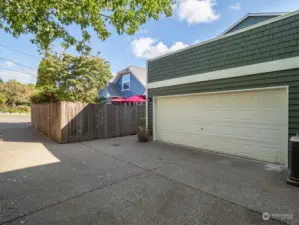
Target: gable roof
[(138, 72), (261, 15), (113, 90)]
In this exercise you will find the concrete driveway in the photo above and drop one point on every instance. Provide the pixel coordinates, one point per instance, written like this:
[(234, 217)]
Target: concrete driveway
[(121, 181)]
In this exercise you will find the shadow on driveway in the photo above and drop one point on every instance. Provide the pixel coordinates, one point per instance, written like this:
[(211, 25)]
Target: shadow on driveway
[(36, 172), (121, 181)]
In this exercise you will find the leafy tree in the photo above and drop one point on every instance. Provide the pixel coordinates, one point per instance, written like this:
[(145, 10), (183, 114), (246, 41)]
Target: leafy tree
[(48, 20), (48, 70), (32, 86), (1, 81), (2, 99), (100, 99), (71, 78), (15, 93)]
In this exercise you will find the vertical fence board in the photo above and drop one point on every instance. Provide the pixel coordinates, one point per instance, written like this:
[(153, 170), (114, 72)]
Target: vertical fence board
[(106, 121), (121, 120)]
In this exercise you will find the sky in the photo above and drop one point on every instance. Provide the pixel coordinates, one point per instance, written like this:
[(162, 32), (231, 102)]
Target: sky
[(193, 21)]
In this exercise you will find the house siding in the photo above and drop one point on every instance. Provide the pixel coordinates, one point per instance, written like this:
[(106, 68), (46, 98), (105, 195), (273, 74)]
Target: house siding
[(136, 88), (249, 22), (120, 82), (139, 89), (104, 93), (273, 41), (280, 78)]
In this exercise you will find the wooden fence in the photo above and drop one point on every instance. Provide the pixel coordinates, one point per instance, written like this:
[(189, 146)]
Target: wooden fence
[(68, 122)]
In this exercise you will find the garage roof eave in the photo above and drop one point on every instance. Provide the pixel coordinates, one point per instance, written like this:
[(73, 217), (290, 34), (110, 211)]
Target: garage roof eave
[(229, 34)]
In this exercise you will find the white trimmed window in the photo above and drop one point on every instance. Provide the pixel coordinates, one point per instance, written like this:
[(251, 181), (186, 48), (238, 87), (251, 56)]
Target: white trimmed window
[(126, 82)]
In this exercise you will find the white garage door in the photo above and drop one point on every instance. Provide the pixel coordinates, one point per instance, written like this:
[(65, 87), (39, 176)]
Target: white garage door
[(252, 124)]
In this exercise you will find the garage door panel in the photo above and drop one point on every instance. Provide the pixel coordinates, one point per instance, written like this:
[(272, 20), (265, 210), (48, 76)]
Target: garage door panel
[(248, 149), (268, 134), (214, 130), (268, 115), (250, 124), (193, 140), (253, 133), (237, 116), (227, 147)]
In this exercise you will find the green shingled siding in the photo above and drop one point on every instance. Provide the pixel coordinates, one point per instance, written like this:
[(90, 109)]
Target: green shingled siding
[(277, 40), (280, 78), (251, 20)]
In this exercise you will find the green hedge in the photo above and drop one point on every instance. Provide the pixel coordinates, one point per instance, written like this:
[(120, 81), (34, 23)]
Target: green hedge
[(16, 109)]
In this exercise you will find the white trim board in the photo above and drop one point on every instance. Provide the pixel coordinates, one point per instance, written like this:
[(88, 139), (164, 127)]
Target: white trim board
[(272, 66), (154, 119), (223, 92), (146, 97), (230, 34)]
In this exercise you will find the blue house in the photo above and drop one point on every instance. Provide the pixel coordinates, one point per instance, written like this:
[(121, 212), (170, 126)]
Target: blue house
[(127, 83)]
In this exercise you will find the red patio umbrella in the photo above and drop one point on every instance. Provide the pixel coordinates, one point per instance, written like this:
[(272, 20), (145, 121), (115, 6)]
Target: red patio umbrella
[(118, 100), (136, 98)]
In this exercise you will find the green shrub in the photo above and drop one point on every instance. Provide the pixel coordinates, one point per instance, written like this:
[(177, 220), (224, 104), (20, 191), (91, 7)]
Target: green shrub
[(142, 132), (40, 98), (16, 109), (100, 99), (142, 122), (23, 108), (3, 99)]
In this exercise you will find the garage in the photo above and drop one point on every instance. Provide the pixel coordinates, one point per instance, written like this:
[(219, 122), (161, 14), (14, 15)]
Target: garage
[(251, 123), (236, 94)]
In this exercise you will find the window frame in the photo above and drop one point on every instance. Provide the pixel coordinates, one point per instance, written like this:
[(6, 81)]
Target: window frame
[(127, 80)]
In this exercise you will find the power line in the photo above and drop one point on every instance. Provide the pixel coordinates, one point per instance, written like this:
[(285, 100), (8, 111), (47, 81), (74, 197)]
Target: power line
[(20, 64), (24, 53), (31, 74)]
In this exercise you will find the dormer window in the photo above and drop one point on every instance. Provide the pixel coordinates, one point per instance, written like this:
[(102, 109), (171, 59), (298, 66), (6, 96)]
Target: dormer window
[(126, 82)]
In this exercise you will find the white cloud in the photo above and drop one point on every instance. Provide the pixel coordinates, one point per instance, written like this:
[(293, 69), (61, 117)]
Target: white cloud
[(236, 6), (22, 77), (9, 64), (197, 11), (148, 47), (177, 46), (196, 42)]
